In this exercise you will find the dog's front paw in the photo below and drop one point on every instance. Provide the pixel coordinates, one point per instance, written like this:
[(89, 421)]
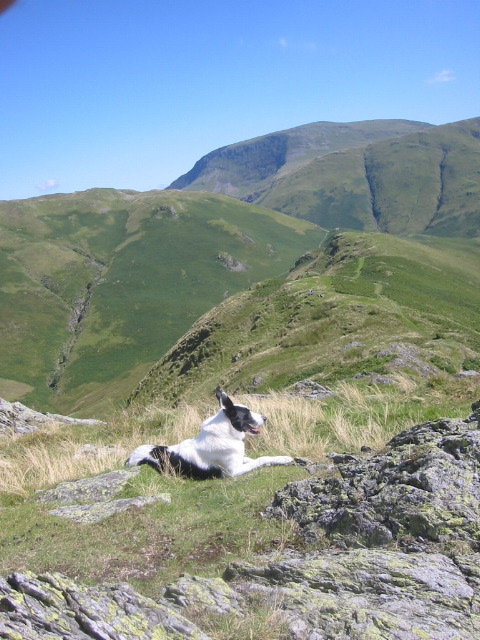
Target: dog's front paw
[(284, 460)]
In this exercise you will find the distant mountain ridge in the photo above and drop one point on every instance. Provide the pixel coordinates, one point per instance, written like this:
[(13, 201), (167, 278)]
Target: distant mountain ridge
[(245, 169), (396, 177), (424, 182)]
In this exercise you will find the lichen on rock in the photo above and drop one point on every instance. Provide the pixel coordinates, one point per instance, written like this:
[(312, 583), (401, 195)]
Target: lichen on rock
[(51, 606), (98, 511), (423, 491), (96, 489), (91, 500), (366, 593), (16, 418)]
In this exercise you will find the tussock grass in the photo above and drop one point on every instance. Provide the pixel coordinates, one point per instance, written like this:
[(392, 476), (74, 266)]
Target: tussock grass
[(292, 426), (355, 416), (207, 524), (265, 620), (33, 466)]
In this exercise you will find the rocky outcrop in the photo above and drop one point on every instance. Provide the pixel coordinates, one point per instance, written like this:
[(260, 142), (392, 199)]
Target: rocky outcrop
[(51, 606), (357, 594), (422, 493), (303, 389), (365, 594), (97, 489), (400, 538), (309, 389), (98, 511), (230, 263), (93, 499), (17, 418), (406, 356)]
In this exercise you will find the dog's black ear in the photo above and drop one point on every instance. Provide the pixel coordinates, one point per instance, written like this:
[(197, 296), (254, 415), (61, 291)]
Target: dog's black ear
[(225, 403)]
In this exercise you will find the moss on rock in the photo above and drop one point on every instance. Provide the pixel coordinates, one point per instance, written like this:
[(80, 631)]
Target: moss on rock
[(424, 488)]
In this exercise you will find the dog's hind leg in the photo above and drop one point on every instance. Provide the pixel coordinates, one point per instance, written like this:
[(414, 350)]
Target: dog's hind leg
[(152, 455)]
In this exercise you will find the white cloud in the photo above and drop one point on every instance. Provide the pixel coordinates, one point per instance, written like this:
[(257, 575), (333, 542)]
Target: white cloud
[(297, 45), (48, 185), (446, 75)]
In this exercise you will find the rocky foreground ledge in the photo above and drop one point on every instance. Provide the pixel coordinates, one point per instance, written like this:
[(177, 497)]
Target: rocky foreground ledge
[(358, 594), (401, 532)]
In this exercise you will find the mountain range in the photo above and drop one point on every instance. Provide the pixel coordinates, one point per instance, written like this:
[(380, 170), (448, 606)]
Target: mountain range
[(247, 169), (390, 176), (104, 291)]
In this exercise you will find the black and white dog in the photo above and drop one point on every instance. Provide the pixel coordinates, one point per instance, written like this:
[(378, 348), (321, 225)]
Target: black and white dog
[(217, 452)]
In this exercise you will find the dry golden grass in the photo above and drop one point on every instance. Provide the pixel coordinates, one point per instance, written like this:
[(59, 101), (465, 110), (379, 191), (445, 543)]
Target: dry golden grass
[(295, 426), (265, 621), (355, 417), (35, 466), (292, 426), (352, 433)]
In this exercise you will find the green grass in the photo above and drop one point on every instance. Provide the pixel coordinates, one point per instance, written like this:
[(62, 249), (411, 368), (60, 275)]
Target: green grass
[(369, 289), (471, 364), (150, 546), (149, 262), (207, 524), (331, 188)]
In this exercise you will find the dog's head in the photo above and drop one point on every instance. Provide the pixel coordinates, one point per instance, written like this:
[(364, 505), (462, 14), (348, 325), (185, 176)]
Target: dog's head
[(241, 417)]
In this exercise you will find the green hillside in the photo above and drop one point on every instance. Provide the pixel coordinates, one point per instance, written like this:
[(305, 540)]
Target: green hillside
[(246, 169), (96, 286), (366, 304), (425, 182)]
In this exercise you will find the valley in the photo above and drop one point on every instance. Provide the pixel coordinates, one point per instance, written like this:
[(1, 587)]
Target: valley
[(96, 286), (104, 291), (351, 323)]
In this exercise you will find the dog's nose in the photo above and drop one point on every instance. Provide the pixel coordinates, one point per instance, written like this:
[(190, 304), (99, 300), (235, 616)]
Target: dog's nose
[(264, 418)]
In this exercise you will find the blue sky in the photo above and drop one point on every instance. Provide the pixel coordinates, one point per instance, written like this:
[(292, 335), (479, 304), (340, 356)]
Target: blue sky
[(124, 94)]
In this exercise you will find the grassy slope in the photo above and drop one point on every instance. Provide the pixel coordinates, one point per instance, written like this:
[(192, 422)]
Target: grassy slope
[(422, 182), (151, 546), (372, 289), (244, 170), (148, 264), (332, 188), (376, 289), (429, 182)]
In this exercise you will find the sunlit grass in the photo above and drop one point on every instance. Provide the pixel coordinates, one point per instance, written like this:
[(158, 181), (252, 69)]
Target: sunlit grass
[(207, 524), (353, 417)]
